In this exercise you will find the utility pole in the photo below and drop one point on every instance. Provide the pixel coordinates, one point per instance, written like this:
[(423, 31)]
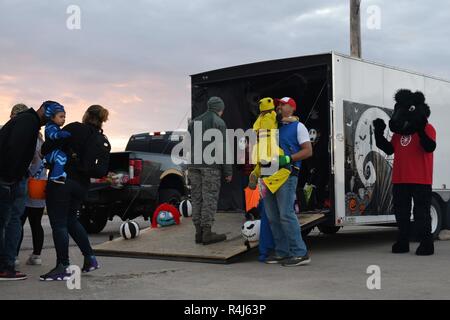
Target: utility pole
[(355, 28)]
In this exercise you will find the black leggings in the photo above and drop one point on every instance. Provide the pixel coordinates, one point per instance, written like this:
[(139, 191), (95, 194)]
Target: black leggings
[(34, 216), (421, 194)]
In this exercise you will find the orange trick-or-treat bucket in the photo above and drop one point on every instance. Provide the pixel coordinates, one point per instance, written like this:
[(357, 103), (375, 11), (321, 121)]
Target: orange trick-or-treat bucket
[(36, 189)]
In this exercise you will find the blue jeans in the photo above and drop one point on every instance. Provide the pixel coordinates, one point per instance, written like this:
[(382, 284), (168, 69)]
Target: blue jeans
[(266, 243), (283, 220), (12, 207), (63, 203)]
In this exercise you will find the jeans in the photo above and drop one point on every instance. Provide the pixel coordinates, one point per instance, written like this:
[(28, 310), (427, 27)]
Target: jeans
[(283, 220), (266, 243), (63, 203), (12, 206)]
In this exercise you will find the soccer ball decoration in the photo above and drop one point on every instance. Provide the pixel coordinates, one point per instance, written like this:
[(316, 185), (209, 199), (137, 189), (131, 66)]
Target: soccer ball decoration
[(185, 208), (250, 230), (129, 230)]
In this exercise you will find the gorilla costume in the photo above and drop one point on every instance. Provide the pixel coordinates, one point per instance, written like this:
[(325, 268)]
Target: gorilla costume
[(413, 144)]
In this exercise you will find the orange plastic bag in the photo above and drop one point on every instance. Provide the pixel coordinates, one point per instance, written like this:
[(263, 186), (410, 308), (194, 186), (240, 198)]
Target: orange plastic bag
[(251, 198)]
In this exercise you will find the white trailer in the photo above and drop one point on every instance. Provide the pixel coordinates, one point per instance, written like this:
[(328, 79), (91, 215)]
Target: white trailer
[(341, 96), (358, 82)]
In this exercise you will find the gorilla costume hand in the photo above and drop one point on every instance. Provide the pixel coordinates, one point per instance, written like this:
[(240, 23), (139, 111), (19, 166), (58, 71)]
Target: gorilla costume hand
[(381, 142), (379, 125)]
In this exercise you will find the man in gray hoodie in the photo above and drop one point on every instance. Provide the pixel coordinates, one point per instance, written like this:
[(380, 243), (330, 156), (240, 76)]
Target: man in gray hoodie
[(205, 176)]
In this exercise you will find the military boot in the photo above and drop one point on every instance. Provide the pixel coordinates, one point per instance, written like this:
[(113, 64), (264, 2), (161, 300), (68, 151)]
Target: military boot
[(198, 234), (210, 237)]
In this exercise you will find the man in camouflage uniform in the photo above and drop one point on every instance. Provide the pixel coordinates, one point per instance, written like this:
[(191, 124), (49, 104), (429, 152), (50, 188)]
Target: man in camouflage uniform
[(206, 178)]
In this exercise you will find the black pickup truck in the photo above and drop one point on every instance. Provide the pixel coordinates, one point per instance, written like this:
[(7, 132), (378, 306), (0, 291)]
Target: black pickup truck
[(151, 178)]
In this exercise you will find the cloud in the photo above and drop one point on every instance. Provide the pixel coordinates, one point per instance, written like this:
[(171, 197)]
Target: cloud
[(135, 57)]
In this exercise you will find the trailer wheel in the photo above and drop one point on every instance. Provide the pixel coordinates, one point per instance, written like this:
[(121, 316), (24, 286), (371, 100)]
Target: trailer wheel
[(328, 229), (93, 219), (436, 217)]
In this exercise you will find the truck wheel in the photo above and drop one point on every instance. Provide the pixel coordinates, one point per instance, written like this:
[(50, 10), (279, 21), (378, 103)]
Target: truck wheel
[(93, 219), (171, 196), (328, 229), (436, 217)]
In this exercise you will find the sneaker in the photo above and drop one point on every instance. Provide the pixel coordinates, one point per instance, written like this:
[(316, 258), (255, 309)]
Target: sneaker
[(12, 275), (275, 259), (444, 235), (59, 273), (60, 180), (34, 260), (90, 264), (297, 261)]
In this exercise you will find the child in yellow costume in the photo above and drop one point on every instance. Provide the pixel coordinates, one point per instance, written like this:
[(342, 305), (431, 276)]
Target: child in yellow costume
[(267, 148)]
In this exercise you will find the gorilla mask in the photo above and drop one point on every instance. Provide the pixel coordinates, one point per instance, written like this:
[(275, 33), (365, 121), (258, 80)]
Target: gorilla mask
[(411, 113)]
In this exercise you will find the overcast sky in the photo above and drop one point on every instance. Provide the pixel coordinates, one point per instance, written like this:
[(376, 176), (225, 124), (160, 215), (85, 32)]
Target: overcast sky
[(135, 57)]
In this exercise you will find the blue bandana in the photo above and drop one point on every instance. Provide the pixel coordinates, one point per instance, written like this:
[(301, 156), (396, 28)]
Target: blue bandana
[(51, 108)]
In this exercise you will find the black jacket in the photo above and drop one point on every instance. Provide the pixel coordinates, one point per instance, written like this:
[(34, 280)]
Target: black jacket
[(18, 138), (80, 133)]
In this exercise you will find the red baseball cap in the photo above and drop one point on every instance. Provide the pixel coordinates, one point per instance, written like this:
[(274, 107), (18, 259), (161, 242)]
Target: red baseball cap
[(286, 100)]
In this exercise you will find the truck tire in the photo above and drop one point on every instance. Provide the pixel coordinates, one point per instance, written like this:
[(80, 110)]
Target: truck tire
[(328, 229), (93, 219), (171, 196), (436, 217)]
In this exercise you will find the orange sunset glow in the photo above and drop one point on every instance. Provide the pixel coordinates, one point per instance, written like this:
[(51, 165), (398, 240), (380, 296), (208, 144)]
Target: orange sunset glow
[(136, 106), (135, 58)]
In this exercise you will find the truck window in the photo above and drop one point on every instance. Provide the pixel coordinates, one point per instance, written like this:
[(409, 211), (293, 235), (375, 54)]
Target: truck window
[(154, 143)]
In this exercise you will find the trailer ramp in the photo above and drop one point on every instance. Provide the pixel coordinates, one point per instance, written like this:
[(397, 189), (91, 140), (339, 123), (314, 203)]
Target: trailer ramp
[(177, 242)]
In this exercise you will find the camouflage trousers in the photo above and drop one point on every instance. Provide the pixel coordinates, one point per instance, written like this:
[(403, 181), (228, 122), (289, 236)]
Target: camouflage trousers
[(205, 188)]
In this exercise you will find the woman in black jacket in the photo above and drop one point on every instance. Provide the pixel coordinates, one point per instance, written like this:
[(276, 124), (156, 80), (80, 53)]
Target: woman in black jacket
[(65, 200)]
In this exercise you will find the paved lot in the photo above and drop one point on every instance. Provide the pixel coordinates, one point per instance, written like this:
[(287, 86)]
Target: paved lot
[(338, 271)]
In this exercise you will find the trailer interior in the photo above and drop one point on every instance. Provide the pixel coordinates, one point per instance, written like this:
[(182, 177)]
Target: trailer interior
[(305, 79)]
